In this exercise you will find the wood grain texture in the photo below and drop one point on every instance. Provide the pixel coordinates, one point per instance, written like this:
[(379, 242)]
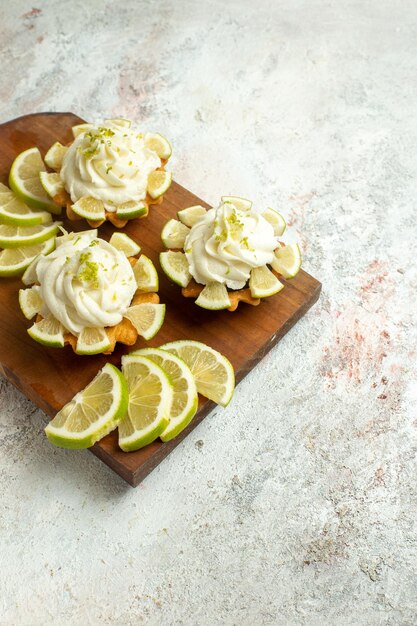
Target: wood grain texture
[(50, 377)]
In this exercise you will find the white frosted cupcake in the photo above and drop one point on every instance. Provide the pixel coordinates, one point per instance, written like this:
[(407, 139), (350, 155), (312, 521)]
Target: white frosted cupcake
[(88, 293), (111, 171), (228, 254)]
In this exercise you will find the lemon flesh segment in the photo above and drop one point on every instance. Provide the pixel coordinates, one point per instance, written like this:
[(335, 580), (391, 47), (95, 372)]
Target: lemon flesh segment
[(145, 273), (150, 401), (74, 236), (185, 397), (16, 236), (30, 301), (191, 215), (213, 373), (263, 283), (125, 244), (214, 297), (14, 211), (287, 260), (147, 318), (55, 155), (158, 183), (240, 203), (131, 210), (52, 183), (49, 332), (89, 208), (159, 144), (276, 220), (119, 121), (16, 261), (175, 266), (93, 412), (92, 341), (80, 128), (25, 182), (174, 234)]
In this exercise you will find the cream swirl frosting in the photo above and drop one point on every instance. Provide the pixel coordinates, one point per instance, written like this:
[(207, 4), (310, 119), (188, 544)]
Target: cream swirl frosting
[(226, 243), (110, 163), (85, 282)]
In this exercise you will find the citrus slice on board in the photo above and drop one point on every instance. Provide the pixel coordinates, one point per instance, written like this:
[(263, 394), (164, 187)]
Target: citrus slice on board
[(175, 266), (263, 283), (131, 210), (287, 260), (25, 182), (14, 211), (125, 244), (147, 318), (17, 236), (158, 183), (173, 234), (276, 220), (30, 301), (213, 373), (240, 203), (159, 144), (214, 297), (92, 341), (49, 332), (191, 215), (150, 401), (89, 208), (185, 398), (52, 183), (145, 274), (55, 155), (92, 413)]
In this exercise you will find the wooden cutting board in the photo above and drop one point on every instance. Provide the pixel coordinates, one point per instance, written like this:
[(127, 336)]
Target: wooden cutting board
[(51, 377)]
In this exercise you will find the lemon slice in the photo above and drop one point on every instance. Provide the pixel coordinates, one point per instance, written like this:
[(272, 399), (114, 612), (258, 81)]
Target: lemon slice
[(158, 144), (14, 211), (191, 215), (145, 274), (80, 128), (150, 400), (214, 297), (120, 121), (287, 260), (89, 208), (213, 373), (74, 236), (52, 183), (185, 398), (175, 266), (131, 210), (276, 220), (158, 182), (25, 182), (30, 301), (147, 318), (240, 203), (14, 261), (55, 155), (92, 413), (125, 244), (263, 283), (49, 332), (16, 236), (173, 234), (92, 341)]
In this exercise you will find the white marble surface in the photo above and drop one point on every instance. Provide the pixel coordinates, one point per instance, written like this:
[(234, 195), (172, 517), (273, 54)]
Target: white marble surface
[(296, 504)]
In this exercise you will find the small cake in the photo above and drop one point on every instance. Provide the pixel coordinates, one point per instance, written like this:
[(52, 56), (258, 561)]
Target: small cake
[(228, 254), (89, 294), (111, 171)]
